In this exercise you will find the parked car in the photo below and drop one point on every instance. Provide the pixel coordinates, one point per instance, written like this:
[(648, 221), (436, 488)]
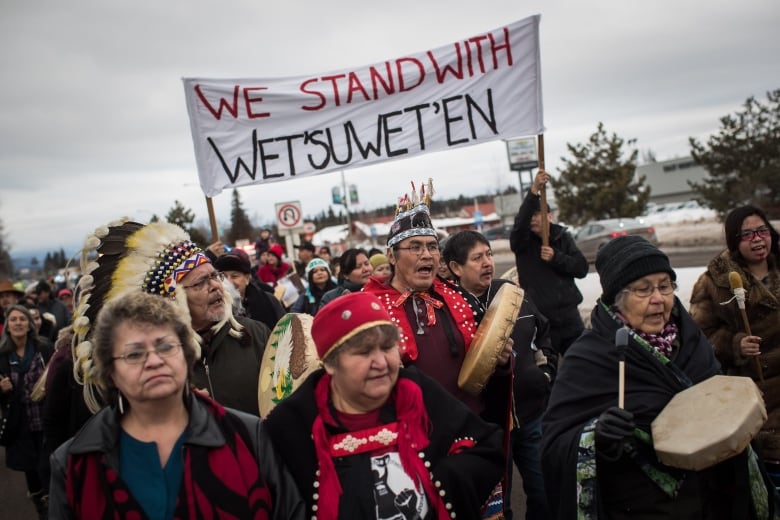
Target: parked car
[(497, 232), (595, 234)]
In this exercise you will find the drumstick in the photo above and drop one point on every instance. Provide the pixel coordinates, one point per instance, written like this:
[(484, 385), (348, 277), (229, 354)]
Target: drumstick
[(735, 281), (621, 342)]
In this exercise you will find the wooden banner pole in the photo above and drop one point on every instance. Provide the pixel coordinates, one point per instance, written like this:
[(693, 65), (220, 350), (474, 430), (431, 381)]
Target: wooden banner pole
[(543, 195), (212, 220)]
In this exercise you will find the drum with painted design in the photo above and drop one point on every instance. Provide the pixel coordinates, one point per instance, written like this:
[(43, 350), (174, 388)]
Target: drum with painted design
[(290, 356)]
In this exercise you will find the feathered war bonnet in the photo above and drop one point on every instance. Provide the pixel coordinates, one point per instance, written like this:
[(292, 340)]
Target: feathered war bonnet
[(123, 257), (413, 216)]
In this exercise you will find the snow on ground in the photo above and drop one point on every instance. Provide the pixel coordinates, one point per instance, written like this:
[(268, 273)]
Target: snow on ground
[(591, 288)]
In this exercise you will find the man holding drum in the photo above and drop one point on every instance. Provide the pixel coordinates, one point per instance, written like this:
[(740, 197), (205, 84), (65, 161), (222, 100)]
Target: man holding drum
[(598, 457), (470, 258)]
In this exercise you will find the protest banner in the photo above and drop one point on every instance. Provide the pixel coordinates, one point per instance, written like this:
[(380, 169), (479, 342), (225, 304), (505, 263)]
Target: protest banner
[(258, 130)]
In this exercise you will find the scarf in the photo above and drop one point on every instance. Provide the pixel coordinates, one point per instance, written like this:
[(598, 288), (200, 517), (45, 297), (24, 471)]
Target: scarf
[(412, 426), (663, 342), (218, 482)]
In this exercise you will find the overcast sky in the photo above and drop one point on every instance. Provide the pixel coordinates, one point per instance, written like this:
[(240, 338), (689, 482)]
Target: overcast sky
[(93, 123)]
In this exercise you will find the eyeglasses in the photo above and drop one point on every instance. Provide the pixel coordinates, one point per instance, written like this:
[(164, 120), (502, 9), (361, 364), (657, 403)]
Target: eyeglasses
[(139, 356), (200, 284), (417, 249), (645, 291), (746, 235)]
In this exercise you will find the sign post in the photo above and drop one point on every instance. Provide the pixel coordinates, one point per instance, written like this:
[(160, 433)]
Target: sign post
[(522, 158)]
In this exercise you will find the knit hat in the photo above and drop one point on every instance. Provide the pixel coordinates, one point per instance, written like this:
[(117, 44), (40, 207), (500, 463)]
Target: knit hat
[(317, 262), (236, 260), (377, 260), (412, 217), (277, 251), (344, 317), (625, 259)]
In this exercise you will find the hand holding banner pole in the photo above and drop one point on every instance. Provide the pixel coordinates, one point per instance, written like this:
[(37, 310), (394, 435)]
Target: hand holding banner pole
[(735, 282)]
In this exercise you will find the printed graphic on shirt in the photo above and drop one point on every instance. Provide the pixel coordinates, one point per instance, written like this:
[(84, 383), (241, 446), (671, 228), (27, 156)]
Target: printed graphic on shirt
[(394, 492)]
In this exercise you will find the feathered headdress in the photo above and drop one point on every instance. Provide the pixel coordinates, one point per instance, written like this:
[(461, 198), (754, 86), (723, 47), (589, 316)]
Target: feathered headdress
[(123, 257), (412, 216)]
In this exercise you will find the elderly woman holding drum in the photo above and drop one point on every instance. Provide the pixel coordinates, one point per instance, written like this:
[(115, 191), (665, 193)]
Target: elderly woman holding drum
[(365, 438), (598, 457)]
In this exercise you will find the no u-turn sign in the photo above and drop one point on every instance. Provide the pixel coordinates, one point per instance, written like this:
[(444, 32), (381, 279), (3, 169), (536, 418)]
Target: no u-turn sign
[(289, 215)]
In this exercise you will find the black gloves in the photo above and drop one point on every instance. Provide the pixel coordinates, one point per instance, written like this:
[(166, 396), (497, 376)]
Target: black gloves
[(614, 429)]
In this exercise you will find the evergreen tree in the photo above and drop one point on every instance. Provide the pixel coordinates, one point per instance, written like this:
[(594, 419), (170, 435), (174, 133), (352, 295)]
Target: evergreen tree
[(598, 182), (180, 215), (183, 217), (240, 227), (6, 264), (743, 159)]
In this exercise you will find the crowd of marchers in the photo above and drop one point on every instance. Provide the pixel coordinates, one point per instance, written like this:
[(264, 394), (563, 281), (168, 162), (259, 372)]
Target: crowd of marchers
[(135, 391)]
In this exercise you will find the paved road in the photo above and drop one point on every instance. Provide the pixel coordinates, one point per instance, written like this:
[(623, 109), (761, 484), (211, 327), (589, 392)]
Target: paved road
[(13, 494)]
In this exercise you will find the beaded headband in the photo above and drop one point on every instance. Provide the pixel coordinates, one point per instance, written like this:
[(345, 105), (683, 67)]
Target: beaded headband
[(412, 216)]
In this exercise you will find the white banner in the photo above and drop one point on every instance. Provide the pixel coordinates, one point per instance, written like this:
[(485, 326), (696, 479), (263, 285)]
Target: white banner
[(256, 130)]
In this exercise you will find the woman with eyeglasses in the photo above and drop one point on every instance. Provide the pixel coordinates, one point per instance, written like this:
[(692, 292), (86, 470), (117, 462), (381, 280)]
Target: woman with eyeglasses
[(753, 252), (162, 451), (598, 459)]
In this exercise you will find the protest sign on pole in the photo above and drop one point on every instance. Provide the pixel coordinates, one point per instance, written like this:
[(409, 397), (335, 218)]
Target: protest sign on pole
[(258, 130)]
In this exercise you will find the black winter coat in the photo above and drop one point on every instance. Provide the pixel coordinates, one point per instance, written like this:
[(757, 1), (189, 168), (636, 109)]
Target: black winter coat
[(466, 477), (587, 384), (261, 305), (550, 285)]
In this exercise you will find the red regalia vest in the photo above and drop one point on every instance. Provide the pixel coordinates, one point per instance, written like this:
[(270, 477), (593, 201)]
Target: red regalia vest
[(456, 306)]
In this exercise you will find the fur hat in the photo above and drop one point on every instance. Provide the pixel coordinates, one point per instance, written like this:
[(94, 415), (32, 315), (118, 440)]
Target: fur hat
[(234, 261), (344, 317), (377, 260), (412, 217), (625, 259), (124, 257)]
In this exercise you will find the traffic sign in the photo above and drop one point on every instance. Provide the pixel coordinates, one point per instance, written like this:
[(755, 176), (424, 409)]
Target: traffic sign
[(309, 227), (289, 215)]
